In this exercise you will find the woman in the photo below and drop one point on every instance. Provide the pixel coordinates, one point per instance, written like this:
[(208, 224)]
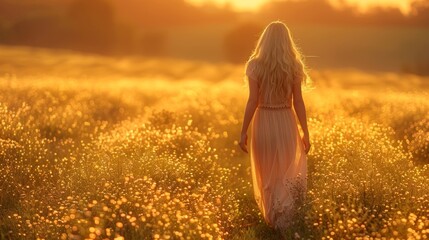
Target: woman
[(278, 155)]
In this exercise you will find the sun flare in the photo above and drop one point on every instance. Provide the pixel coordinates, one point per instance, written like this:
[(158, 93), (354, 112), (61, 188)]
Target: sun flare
[(236, 4), (362, 5)]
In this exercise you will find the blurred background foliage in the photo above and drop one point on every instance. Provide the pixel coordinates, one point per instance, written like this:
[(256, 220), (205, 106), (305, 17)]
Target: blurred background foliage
[(382, 38)]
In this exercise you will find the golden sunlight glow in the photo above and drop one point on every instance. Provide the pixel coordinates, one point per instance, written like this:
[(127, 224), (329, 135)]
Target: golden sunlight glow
[(363, 5), (236, 4)]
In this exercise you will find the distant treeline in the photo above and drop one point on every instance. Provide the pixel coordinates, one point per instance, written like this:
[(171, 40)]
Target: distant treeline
[(101, 26), (141, 26), (108, 26), (176, 12), (322, 12)]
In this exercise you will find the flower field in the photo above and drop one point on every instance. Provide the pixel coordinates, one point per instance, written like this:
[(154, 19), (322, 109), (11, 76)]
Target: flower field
[(93, 147)]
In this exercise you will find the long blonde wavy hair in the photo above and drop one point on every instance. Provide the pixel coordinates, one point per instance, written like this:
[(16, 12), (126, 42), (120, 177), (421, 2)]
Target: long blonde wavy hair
[(277, 62)]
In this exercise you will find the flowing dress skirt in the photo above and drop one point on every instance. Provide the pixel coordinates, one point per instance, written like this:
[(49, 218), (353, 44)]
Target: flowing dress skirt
[(278, 164)]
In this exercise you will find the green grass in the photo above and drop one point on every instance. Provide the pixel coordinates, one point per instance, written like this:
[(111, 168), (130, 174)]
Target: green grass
[(138, 148)]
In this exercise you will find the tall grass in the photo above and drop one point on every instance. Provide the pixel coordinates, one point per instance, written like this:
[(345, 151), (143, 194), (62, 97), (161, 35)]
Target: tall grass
[(123, 152)]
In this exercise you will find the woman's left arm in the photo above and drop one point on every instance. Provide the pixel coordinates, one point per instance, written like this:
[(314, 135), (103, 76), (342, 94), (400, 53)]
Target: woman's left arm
[(252, 104)]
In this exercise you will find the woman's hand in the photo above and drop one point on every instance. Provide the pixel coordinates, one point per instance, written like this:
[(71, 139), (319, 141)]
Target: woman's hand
[(243, 142), (306, 142)]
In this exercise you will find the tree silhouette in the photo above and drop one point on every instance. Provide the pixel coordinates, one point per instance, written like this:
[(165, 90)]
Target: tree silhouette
[(152, 43), (93, 25), (420, 12), (41, 31), (240, 41)]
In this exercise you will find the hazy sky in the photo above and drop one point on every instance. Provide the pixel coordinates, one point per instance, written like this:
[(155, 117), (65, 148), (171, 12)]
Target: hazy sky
[(361, 4)]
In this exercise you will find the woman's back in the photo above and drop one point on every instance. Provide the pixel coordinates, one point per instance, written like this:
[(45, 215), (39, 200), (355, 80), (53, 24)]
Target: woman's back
[(269, 96), (277, 153)]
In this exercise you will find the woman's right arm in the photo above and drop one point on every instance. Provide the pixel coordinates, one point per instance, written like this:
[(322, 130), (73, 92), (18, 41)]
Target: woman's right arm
[(299, 106)]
